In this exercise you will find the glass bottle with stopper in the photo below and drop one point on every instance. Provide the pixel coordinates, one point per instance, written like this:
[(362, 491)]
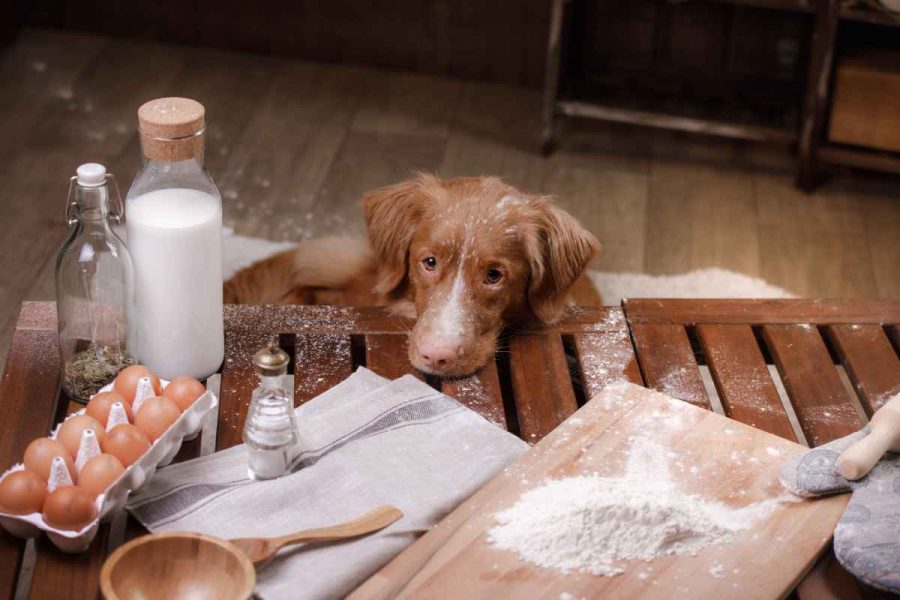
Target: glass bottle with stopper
[(270, 430), (93, 287), (175, 234)]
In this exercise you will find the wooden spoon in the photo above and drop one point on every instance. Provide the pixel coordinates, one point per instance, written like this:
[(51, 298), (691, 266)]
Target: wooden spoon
[(260, 550)]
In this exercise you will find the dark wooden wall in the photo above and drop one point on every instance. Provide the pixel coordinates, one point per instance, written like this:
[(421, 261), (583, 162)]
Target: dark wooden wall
[(7, 21), (698, 49), (497, 40)]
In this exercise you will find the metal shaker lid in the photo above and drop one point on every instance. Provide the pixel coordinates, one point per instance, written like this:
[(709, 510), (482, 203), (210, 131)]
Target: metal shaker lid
[(271, 361)]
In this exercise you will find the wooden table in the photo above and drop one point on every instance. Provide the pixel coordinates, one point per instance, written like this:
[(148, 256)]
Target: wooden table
[(835, 361)]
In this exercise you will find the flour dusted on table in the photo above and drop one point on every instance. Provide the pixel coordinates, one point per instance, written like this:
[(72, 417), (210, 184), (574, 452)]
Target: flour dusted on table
[(591, 523)]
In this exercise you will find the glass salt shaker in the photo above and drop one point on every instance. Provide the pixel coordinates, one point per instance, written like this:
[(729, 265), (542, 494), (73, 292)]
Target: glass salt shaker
[(93, 287), (270, 430)]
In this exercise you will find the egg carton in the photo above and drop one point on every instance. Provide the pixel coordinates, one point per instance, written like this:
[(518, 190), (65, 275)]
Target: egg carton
[(160, 454)]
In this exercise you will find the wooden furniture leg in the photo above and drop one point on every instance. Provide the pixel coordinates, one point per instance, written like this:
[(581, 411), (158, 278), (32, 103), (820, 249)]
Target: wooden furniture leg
[(551, 76), (815, 102)]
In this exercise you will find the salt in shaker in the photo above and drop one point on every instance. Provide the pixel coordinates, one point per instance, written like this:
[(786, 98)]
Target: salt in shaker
[(270, 430)]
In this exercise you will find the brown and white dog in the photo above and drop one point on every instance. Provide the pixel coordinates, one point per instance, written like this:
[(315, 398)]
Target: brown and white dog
[(467, 257)]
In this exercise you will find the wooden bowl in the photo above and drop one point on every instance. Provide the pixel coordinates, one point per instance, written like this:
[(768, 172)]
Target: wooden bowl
[(177, 565)]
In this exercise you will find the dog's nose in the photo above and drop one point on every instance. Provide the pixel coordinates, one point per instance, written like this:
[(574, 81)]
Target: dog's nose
[(438, 356)]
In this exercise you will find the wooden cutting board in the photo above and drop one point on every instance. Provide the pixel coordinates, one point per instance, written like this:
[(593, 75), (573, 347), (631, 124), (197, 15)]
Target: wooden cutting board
[(707, 455)]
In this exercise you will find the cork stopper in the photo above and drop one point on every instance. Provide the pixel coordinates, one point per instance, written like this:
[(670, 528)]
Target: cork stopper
[(172, 129)]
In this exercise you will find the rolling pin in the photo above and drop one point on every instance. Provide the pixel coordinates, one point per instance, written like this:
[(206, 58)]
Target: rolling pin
[(884, 436)]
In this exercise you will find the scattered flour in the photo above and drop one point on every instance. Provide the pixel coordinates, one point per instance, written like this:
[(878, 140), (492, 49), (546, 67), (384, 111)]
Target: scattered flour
[(470, 391), (700, 283), (240, 251), (591, 523), (588, 523)]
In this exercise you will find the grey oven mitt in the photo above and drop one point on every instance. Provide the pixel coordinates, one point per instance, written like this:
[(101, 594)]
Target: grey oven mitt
[(867, 538)]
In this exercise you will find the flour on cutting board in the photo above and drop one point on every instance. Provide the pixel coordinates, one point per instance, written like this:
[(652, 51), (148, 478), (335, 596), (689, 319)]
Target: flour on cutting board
[(592, 523)]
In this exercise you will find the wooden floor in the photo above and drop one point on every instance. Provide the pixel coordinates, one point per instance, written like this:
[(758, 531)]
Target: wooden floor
[(293, 144)]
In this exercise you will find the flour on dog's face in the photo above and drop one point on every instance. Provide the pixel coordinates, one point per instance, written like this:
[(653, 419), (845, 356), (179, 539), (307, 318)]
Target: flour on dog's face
[(450, 321), (468, 257), (454, 260)]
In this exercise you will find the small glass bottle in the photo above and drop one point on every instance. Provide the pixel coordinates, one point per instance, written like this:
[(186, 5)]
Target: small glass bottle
[(270, 430), (174, 221), (93, 288)]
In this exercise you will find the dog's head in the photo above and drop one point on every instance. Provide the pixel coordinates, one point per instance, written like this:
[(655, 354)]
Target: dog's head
[(470, 256)]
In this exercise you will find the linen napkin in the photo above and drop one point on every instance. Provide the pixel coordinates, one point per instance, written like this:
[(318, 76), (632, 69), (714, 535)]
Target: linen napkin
[(364, 443)]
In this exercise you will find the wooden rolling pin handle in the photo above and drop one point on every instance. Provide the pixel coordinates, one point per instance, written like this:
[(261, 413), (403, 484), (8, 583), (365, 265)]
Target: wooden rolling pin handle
[(857, 460)]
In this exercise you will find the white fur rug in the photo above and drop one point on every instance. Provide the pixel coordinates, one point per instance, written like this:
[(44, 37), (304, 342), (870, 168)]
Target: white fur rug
[(241, 251)]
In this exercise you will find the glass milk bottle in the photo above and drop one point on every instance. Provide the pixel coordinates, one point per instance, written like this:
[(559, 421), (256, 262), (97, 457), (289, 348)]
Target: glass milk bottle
[(93, 287), (174, 222)]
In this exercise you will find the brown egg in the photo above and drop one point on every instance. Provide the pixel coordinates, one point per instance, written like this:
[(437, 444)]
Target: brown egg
[(100, 404), (98, 473), (184, 391), (39, 457), (69, 508), (22, 493), (155, 416), (127, 443), (70, 432), (127, 381)]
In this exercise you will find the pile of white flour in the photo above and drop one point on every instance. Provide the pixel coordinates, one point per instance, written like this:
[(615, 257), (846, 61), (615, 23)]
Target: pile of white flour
[(591, 523)]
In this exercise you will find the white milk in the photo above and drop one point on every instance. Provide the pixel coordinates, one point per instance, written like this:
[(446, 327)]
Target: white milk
[(175, 237)]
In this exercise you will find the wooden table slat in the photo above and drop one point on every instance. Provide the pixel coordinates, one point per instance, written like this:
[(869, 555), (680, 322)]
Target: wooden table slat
[(742, 379), (386, 355), (321, 361), (363, 320), (541, 384), (607, 356), (861, 331), (893, 332), (823, 408), (70, 576), (28, 391), (480, 392), (757, 312), (667, 362), (870, 360)]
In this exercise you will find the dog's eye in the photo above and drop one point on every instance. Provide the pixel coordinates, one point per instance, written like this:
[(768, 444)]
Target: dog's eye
[(430, 263), (493, 276)]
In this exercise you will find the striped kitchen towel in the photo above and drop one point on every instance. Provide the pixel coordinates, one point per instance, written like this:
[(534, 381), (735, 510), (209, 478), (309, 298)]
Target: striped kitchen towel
[(364, 443)]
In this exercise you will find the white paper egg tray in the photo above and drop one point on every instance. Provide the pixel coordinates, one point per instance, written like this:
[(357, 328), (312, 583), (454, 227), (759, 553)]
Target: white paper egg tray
[(161, 453)]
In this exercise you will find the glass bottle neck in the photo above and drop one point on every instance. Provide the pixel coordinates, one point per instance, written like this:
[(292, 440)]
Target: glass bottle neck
[(271, 381), (92, 203), (175, 166), (158, 174)]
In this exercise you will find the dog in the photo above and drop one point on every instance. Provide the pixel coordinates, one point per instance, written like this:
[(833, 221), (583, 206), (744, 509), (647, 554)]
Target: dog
[(466, 257)]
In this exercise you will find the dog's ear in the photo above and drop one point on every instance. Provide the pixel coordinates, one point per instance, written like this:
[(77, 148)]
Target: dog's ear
[(559, 249), (392, 215)]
